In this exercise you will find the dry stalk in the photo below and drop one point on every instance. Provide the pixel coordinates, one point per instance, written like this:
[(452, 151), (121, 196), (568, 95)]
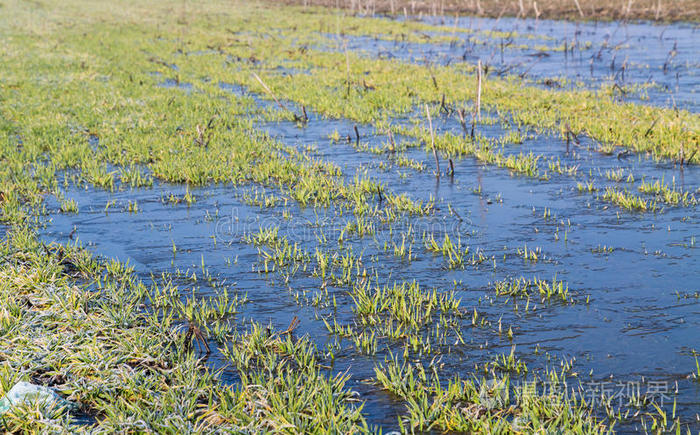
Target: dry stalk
[(432, 141)]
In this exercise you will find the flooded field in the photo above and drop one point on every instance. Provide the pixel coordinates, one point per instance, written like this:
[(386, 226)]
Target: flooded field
[(434, 225), (642, 63)]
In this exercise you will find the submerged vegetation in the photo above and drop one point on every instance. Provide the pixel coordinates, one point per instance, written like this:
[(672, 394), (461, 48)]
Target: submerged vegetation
[(369, 261)]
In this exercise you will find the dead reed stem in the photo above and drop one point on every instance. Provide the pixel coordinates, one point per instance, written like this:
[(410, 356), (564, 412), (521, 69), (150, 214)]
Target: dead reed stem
[(478, 91), (432, 141), (269, 91)]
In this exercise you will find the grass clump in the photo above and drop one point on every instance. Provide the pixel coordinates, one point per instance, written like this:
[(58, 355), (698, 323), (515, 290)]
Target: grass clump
[(284, 389), (666, 194), (404, 313), (629, 201), (482, 406), (556, 290), (455, 253)]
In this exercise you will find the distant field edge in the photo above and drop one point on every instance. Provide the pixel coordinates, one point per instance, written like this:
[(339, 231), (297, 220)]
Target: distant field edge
[(604, 10)]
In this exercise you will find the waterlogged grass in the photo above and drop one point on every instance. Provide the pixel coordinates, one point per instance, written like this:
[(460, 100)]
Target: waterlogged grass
[(402, 312), (123, 368), (456, 255), (535, 288), (484, 405), (199, 137), (131, 130), (628, 200), (668, 195), (98, 97), (396, 88)]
